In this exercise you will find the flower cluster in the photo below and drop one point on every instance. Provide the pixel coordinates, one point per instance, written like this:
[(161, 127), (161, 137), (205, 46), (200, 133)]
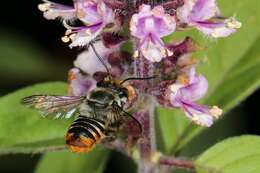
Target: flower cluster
[(109, 24)]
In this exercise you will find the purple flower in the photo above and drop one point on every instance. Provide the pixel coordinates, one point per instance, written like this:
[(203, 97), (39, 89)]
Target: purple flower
[(54, 10), (95, 15), (176, 84), (149, 26), (79, 84), (205, 16), (89, 63), (183, 94)]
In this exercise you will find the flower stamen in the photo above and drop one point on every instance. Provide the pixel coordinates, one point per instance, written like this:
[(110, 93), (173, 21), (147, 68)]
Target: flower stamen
[(234, 24), (216, 112), (44, 7), (65, 39)]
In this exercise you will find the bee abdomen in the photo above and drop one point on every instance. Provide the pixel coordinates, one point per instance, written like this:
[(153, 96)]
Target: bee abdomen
[(84, 134)]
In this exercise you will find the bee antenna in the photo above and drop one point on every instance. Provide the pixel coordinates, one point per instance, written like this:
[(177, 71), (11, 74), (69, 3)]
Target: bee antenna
[(99, 57), (137, 78)]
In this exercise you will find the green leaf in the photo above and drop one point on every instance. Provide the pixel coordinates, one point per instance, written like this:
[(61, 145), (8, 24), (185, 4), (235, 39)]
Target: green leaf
[(175, 127), (243, 78), (23, 130), (234, 155), (41, 146), (232, 68), (67, 162)]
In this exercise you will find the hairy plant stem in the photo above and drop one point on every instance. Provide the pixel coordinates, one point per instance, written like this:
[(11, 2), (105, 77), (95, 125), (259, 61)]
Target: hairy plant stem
[(147, 147), (172, 161)]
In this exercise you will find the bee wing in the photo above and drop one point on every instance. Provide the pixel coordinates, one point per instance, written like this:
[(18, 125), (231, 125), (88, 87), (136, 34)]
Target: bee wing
[(54, 106)]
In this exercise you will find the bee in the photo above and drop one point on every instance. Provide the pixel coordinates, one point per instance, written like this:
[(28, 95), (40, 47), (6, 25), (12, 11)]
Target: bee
[(99, 115)]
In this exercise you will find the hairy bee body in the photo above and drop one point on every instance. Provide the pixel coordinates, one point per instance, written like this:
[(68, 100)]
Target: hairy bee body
[(100, 113), (98, 119), (84, 133), (100, 104)]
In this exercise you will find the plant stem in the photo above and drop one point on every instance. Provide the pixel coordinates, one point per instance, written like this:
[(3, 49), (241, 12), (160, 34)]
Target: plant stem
[(148, 145), (172, 161)]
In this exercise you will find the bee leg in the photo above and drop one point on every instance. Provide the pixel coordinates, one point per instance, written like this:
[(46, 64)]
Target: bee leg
[(108, 139), (110, 134)]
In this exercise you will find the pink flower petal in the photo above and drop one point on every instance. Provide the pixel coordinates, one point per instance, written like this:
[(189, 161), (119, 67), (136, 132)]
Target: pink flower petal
[(203, 10), (223, 28), (52, 10), (183, 96), (89, 63), (85, 35), (205, 16), (149, 26), (80, 85), (196, 90), (184, 11)]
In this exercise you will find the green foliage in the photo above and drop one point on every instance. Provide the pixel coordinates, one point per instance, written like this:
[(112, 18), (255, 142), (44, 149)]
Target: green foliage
[(170, 128), (234, 155), (241, 80), (232, 68), (66, 162), (23, 130)]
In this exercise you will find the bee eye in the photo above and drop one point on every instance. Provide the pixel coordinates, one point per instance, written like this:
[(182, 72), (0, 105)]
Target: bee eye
[(100, 84), (123, 93)]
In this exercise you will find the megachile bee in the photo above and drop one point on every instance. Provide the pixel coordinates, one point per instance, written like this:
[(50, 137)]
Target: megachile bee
[(100, 113)]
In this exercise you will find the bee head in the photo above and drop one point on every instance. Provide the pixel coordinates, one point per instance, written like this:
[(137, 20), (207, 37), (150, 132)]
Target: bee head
[(131, 94), (115, 86)]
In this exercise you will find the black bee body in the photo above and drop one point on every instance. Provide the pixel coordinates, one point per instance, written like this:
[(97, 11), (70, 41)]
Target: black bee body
[(100, 117)]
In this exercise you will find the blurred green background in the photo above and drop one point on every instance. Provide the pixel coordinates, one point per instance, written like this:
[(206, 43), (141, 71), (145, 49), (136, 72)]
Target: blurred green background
[(31, 52)]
